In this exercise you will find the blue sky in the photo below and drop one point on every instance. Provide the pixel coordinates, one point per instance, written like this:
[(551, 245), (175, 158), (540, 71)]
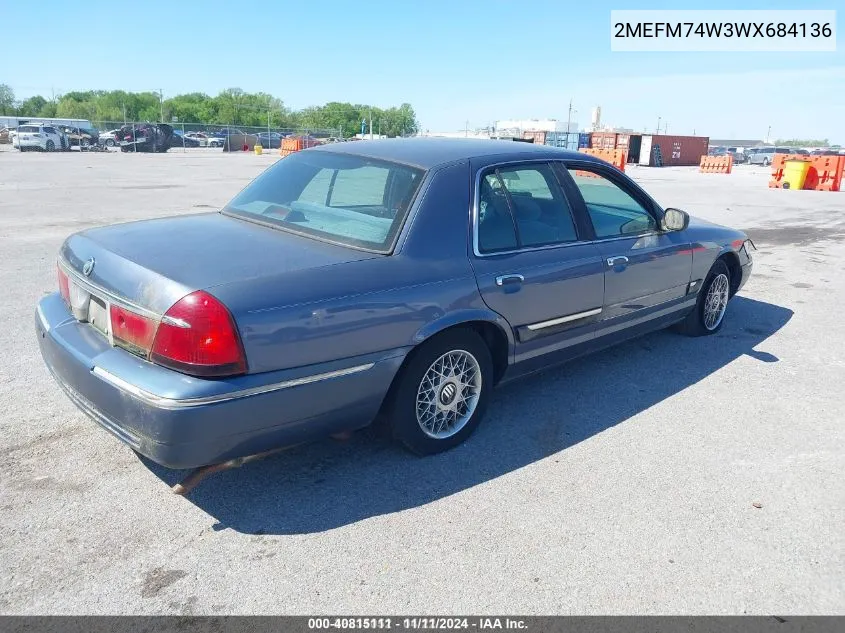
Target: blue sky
[(457, 61)]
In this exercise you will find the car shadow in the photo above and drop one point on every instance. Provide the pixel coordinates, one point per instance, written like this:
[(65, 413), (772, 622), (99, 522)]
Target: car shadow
[(329, 484)]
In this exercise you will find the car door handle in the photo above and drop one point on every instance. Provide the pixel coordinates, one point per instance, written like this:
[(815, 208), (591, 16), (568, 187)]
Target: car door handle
[(612, 261), (501, 280)]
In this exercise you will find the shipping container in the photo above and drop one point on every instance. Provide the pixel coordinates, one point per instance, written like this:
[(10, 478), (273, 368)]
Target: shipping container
[(634, 147), (645, 150), (630, 144), (679, 150), (584, 139), (562, 139), (538, 137), (603, 140)]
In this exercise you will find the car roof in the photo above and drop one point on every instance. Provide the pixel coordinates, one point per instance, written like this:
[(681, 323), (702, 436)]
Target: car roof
[(427, 153)]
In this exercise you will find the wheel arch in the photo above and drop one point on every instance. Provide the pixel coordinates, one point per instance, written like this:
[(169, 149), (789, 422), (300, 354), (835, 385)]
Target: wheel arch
[(490, 326), (731, 260)]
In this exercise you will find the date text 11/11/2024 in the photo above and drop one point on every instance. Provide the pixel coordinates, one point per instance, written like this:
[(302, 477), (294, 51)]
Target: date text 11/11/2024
[(417, 623)]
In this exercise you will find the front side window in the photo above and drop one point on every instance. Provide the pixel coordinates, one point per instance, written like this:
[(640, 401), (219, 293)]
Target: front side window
[(342, 198), (612, 210), (522, 206)]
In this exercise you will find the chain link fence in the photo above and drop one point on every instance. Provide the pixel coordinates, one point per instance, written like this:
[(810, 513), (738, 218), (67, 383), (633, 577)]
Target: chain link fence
[(189, 135)]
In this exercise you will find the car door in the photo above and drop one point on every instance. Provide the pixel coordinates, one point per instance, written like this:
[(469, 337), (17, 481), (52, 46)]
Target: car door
[(532, 263), (646, 270)]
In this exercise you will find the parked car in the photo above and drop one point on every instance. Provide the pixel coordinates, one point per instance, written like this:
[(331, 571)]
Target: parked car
[(178, 140), (83, 138), (399, 279), (738, 154), (765, 155), (37, 136), (145, 137), (214, 140), (4, 136), (109, 138), (270, 140), (199, 137)]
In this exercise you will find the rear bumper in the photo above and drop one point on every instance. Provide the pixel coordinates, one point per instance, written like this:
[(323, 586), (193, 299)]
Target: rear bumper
[(184, 422), (30, 142)]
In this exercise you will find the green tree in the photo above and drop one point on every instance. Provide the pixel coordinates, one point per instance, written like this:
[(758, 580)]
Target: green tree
[(797, 142), (232, 106), (7, 100), (32, 106)]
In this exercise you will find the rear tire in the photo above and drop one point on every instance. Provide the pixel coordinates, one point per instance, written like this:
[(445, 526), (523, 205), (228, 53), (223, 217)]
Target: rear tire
[(765, 162), (708, 316), (109, 143), (441, 394)]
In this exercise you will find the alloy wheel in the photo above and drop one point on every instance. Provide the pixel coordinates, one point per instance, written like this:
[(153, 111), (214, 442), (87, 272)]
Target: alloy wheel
[(716, 302)]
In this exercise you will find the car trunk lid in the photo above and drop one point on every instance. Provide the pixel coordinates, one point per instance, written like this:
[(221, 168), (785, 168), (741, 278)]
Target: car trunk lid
[(151, 264)]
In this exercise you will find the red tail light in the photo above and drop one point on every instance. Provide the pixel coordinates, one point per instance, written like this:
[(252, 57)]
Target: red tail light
[(64, 284), (198, 336), (131, 330)]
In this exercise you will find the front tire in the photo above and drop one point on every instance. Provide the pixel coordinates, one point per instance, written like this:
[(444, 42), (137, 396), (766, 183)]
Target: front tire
[(709, 313), (51, 146), (442, 392)]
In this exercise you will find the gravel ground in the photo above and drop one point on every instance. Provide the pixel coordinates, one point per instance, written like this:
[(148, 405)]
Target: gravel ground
[(625, 482)]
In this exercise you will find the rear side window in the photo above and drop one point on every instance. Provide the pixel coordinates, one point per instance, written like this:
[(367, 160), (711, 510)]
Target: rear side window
[(522, 206), (348, 199)]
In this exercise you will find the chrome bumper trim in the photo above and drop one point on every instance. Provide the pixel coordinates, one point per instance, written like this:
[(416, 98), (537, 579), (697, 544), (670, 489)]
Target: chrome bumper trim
[(176, 403)]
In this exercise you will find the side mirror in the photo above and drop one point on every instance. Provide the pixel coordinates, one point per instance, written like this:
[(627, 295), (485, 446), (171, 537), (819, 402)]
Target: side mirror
[(674, 220)]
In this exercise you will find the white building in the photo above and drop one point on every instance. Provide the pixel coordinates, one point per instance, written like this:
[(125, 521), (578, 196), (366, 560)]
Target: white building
[(515, 127)]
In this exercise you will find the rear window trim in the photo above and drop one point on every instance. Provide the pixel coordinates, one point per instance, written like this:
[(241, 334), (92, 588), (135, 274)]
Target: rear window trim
[(388, 248)]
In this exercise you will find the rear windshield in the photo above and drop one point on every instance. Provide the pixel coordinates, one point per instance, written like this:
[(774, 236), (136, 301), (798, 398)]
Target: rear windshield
[(351, 200), (29, 128)]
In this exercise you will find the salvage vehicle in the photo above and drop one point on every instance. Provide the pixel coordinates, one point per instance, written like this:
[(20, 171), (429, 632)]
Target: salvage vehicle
[(83, 138), (393, 280), (180, 140), (37, 136), (109, 138), (199, 137), (145, 137)]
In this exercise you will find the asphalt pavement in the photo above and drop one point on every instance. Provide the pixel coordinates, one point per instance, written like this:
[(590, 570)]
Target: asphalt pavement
[(668, 475)]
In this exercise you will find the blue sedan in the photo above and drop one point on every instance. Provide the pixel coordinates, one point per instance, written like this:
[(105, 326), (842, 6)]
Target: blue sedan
[(398, 280)]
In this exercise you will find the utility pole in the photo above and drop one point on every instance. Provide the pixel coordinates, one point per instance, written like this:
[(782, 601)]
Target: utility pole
[(371, 124), (769, 134), (658, 126)]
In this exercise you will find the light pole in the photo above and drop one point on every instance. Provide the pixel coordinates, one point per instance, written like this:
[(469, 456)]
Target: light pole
[(769, 134), (658, 126)]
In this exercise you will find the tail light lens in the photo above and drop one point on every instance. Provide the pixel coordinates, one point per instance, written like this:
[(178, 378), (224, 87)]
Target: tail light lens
[(197, 335), (64, 284), (131, 330)]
